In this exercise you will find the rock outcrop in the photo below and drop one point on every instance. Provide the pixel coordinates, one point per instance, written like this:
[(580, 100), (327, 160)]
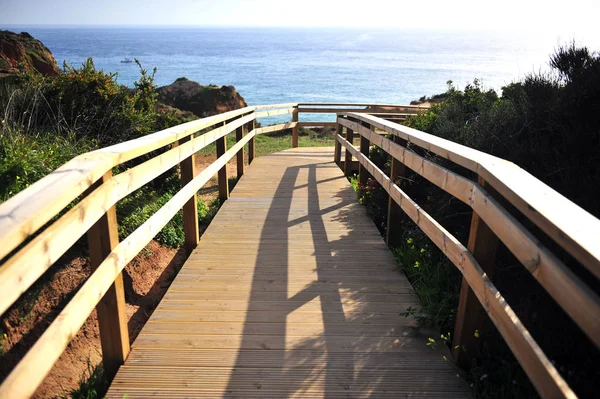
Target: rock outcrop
[(202, 100), (22, 50)]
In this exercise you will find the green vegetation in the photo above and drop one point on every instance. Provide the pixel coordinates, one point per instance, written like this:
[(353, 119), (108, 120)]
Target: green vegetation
[(135, 209), (547, 124), (45, 122), (93, 385)]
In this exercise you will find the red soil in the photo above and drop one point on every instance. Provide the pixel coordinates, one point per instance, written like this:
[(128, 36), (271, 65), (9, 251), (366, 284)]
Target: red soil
[(147, 278)]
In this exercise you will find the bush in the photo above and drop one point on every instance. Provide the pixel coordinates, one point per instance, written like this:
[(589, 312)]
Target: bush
[(25, 159), (82, 102), (47, 121)]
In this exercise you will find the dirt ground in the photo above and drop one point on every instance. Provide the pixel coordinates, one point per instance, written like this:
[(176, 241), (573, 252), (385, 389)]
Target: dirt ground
[(146, 280)]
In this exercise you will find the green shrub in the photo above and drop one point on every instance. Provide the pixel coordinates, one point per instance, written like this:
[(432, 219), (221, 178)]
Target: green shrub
[(25, 159), (135, 209), (84, 102)]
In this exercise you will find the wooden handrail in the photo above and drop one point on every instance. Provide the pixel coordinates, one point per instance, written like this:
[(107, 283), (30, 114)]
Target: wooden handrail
[(420, 107), (576, 230), (543, 374), (22, 215), (47, 247), (87, 179), (30, 372), (569, 291), (566, 288), (88, 176)]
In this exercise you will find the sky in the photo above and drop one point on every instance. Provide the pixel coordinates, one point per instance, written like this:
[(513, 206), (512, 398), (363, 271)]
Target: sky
[(570, 19)]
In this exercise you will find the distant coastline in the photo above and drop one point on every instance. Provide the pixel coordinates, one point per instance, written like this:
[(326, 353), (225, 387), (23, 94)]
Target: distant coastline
[(305, 64)]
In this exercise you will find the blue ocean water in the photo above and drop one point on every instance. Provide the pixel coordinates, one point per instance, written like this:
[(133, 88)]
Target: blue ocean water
[(271, 65)]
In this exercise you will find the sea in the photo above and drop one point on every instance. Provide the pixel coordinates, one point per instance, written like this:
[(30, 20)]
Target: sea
[(279, 65)]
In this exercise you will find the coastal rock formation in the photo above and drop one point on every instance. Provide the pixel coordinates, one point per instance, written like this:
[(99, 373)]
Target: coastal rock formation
[(202, 100), (23, 50)]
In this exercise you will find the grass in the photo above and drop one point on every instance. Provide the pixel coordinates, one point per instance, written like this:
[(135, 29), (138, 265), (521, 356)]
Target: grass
[(93, 384), (269, 143), (138, 207)]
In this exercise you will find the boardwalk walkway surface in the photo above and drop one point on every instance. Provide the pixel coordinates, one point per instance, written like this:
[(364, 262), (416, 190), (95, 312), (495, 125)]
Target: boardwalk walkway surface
[(291, 292)]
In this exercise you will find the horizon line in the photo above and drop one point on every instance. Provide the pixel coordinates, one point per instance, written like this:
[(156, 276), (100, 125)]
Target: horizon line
[(383, 27)]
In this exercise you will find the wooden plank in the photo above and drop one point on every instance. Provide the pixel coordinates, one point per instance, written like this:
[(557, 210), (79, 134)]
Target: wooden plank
[(103, 237), (364, 105), (251, 142), (222, 174), (274, 112), (394, 111), (276, 128), (337, 157), (239, 134), (270, 106), (317, 124), (275, 316), (365, 144), (395, 216), (339, 360), (348, 155), (295, 128), (275, 342), (471, 316), (190, 209)]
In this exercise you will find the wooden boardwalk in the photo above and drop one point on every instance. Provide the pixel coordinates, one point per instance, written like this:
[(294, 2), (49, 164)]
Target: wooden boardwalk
[(290, 293)]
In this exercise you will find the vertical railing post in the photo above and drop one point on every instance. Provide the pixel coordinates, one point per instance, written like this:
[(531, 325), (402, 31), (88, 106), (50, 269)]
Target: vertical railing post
[(337, 155), (395, 214), (103, 237), (295, 128), (470, 315), (222, 174), (363, 174), (348, 157), (251, 143), (239, 134), (190, 209)]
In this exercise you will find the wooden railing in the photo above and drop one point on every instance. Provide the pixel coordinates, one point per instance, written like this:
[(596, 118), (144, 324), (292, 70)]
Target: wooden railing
[(568, 225), (37, 226), (33, 237)]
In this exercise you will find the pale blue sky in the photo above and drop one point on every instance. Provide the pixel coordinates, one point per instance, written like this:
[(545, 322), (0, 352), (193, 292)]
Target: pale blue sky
[(558, 18)]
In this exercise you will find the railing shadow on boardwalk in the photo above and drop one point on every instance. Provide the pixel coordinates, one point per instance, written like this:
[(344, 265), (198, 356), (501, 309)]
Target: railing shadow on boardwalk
[(327, 363)]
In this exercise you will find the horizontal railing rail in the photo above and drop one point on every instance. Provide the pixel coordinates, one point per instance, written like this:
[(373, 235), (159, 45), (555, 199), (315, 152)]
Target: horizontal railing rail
[(574, 229)]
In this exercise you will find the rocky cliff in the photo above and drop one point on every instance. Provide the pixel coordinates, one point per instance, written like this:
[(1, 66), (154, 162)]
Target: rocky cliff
[(202, 100), (22, 50)]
